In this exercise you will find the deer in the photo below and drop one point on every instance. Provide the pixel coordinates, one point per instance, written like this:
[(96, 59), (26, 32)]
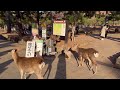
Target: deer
[(28, 65), (88, 54)]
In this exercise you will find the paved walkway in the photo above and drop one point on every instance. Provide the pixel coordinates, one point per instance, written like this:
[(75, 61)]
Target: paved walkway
[(59, 68)]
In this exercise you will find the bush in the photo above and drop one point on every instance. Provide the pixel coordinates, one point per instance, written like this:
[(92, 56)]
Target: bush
[(100, 20)]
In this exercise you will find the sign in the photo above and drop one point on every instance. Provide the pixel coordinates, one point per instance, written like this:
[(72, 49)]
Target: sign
[(59, 28), (34, 31), (30, 49), (44, 33), (39, 46)]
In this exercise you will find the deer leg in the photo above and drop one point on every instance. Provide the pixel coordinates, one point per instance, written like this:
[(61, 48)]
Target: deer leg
[(94, 63), (21, 74), (79, 61), (82, 61), (39, 75), (95, 69), (25, 76), (88, 65)]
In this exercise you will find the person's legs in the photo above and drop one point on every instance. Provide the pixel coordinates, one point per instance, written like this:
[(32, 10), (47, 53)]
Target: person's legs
[(102, 38), (106, 34)]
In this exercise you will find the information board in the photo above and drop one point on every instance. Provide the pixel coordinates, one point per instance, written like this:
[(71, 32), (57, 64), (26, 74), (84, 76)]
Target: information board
[(59, 28)]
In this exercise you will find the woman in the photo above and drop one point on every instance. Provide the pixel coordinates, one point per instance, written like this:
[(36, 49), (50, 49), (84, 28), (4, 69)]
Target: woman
[(104, 32)]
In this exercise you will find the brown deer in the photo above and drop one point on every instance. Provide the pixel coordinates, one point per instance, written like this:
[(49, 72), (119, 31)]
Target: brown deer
[(88, 54), (28, 65), (55, 38)]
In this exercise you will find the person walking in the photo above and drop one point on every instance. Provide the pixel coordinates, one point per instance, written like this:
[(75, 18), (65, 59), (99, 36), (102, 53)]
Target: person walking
[(104, 32)]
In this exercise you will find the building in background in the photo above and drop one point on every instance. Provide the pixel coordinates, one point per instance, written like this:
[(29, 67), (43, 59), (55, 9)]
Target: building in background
[(103, 12)]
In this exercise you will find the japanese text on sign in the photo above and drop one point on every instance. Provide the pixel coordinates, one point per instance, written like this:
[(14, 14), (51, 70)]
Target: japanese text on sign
[(30, 49)]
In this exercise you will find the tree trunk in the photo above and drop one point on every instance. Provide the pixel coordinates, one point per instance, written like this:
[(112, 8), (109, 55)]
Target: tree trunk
[(38, 18), (8, 21), (20, 29), (73, 33), (19, 24)]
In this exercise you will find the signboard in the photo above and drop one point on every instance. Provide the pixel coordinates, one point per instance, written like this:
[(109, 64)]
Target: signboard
[(39, 46), (34, 31), (59, 28), (30, 49), (44, 33)]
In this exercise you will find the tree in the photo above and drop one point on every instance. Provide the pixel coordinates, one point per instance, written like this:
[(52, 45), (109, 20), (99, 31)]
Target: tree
[(8, 21), (114, 16), (2, 18)]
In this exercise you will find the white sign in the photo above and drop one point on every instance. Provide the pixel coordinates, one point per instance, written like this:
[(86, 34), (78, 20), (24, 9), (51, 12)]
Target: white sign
[(39, 46), (44, 33), (30, 49)]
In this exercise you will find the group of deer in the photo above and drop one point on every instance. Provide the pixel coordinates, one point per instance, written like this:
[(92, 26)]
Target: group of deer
[(36, 64)]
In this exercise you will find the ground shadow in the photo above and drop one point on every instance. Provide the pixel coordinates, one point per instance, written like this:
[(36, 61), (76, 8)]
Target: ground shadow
[(114, 57), (2, 41), (104, 64), (110, 65), (61, 67), (7, 44), (114, 39), (5, 52), (48, 60), (2, 38), (97, 36), (114, 71), (28, 76), (75, 54), (3, 66)]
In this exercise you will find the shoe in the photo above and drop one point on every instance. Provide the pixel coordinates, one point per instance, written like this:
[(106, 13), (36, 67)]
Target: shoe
[(102, 39)]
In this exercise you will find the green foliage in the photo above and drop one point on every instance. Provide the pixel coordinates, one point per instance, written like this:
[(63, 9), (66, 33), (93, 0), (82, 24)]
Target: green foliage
[(70, 18), (2, 23), (34, 25), (115, 15), (100, 20), (83, 17)]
